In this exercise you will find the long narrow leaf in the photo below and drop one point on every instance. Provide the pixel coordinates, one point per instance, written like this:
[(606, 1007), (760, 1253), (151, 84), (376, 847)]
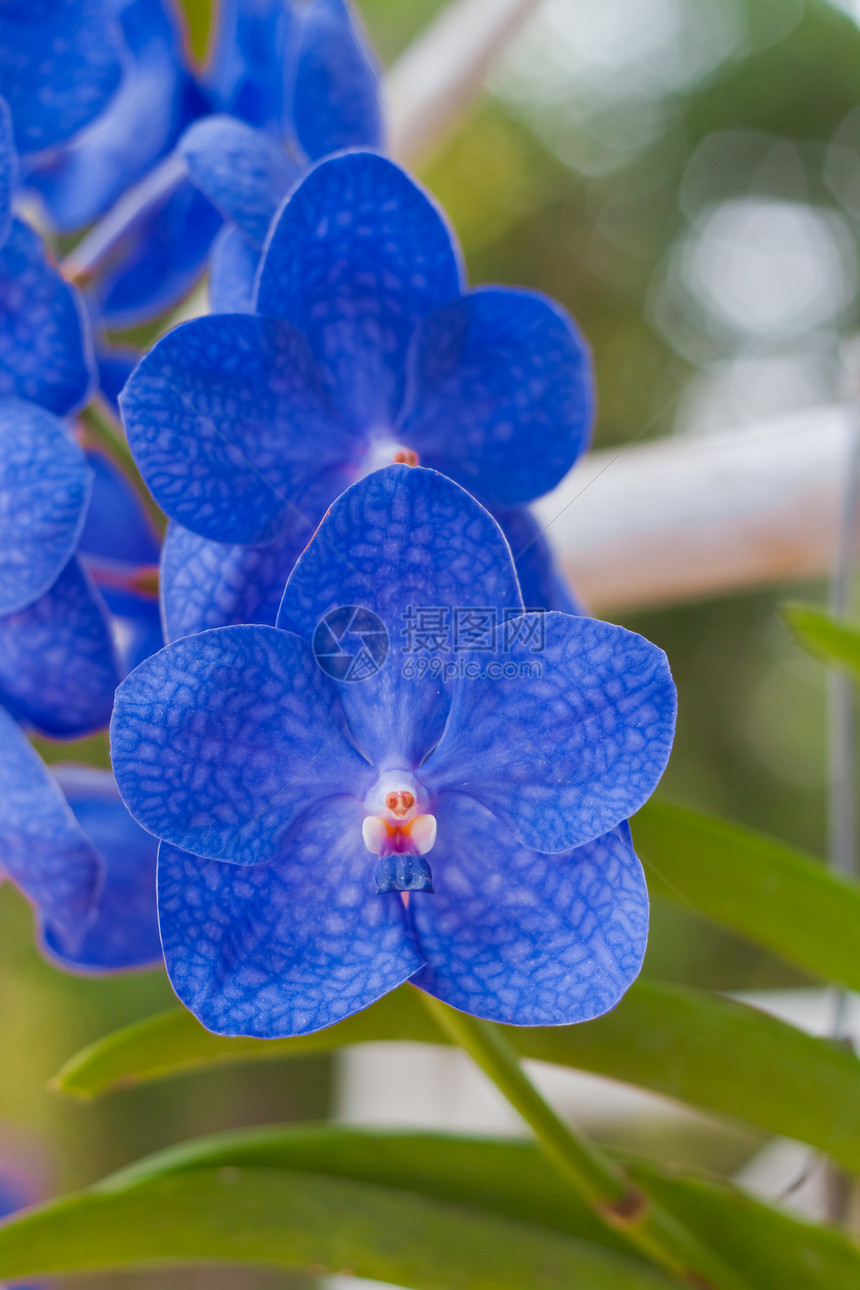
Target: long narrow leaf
[(284, 1219), (688, 1045), (214, 1199), (773, 894)]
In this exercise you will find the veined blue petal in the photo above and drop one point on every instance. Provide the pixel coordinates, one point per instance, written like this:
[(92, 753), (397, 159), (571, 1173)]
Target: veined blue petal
[(45, 485), (45, 353), (500, 394), (336, 100), (222, 741), (8, 170), (244, 173), (123, 932), (569, 739), (525, 938), (44, 850), (287, 947), (213, 584), (229, 426), (58, 666), (401, 541), (358, 257), (59, 66)]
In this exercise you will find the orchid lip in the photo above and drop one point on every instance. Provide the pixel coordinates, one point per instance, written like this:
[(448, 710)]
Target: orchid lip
[(399, 832)]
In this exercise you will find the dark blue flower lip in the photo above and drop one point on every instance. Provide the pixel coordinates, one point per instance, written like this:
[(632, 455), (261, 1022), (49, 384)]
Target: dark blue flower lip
[(506, 790), (60, 62)]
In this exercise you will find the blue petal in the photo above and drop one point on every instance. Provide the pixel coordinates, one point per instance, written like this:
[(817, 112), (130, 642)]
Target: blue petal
[(59, 65), (573, 737), (45, 487), (210, 584), (229, 426), (524, 938), (58, 667), (44, 347), (117, 531), (44, 850), (8, 170), (243, 172), (358, 257), (542, 582), (233, 265), (160, 260), (222, 741), (288, 947), (500, 394), (115, 365), (80, 181), (123, 932), (137, 626), (252, 56), (401, 539), (336, 101)]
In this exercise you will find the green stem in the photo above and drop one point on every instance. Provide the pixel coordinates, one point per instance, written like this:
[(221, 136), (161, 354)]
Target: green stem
[(106, 433), (595, 1177)]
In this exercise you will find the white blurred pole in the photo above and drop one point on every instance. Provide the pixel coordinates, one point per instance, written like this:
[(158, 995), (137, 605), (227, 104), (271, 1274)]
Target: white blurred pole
[(429, 87), (686, 518)]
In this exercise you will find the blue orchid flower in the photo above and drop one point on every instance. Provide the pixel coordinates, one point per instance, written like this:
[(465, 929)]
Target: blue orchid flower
[(58, 666), (59, 67), (292, 76), (298, 805), (366, 347), (156, 98), (69, 844)]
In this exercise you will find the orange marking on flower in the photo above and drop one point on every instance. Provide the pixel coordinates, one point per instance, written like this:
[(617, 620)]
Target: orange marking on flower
[(400, 803), (406, 457)]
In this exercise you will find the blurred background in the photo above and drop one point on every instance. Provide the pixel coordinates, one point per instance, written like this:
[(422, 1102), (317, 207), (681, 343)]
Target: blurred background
[(684, 175)]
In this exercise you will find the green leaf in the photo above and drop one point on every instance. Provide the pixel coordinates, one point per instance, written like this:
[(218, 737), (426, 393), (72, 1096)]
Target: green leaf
[(425, 1210), (284, 1219), (698, 1048), (773, 894), (825, 637)]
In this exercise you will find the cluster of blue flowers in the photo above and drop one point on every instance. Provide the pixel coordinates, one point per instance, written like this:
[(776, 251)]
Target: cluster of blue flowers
[(382, 743)]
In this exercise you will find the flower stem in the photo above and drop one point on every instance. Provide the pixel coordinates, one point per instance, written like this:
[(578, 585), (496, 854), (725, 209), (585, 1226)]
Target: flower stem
[(597, 1179), (103, 430)]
